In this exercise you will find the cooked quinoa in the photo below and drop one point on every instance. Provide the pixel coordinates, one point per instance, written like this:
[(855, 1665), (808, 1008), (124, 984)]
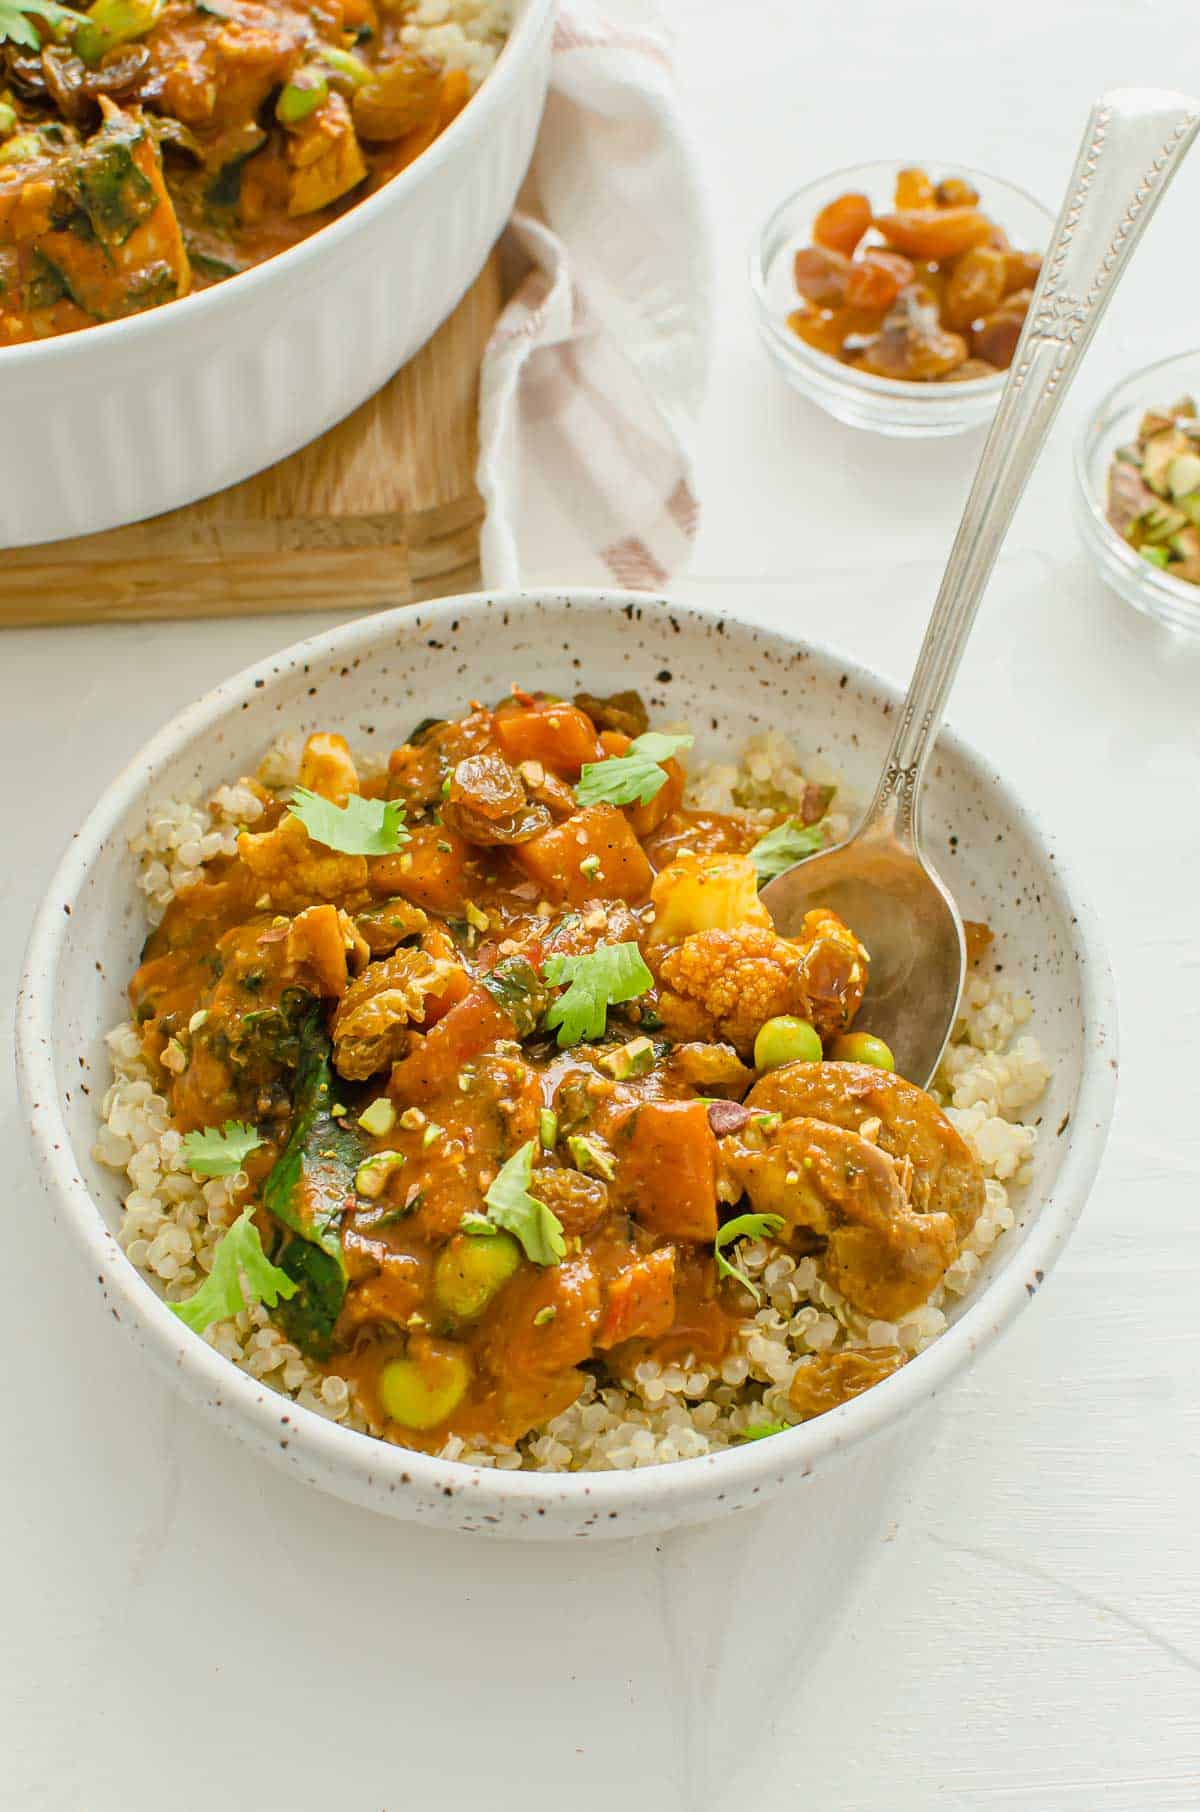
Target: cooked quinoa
[(172, 1221)]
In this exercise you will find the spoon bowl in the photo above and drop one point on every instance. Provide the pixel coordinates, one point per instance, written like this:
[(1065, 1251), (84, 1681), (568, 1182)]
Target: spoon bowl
[(903, 912)]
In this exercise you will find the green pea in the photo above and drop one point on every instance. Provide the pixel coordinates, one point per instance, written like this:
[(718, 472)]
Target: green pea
[(421, 1393), (21, 148), (471, 1269), (301, 97), (112, 22), (786, 1040), (860, 1047)]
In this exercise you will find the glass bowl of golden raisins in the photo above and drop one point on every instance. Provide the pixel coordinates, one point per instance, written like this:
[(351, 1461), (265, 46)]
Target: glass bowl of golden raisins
[(894, 295)]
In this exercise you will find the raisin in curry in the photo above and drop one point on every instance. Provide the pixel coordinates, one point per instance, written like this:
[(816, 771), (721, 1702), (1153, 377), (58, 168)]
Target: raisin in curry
[(149, 148), (506, 1058)]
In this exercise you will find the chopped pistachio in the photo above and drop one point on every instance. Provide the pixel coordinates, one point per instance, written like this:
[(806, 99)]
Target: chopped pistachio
[(548, 1128), (412, 1119), (545, 1315), (379, 1118), (474, 917), (197, 1019), (633, 1059), (590, 866), (590, 1156), (432, 1131), (371, 1177)]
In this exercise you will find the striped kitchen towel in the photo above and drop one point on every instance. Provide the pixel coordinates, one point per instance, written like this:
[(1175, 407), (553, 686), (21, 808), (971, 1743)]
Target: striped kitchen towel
[(593, 378)]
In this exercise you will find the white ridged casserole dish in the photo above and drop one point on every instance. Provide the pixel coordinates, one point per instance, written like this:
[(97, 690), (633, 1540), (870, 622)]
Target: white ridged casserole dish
[(130, 418)]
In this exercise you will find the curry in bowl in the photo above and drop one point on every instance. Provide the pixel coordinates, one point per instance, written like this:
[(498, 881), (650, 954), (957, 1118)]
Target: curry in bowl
[(150, 148), (473, 1100)]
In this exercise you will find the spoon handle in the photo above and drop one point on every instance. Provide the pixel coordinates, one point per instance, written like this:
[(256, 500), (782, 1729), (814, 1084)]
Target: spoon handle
[(1135, 141)]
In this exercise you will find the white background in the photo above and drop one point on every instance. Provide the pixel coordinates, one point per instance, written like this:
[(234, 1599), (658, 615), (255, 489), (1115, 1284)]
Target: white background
[(183, 1628)]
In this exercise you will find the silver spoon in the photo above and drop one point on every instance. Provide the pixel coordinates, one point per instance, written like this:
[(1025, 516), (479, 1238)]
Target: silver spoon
[(878, 880)]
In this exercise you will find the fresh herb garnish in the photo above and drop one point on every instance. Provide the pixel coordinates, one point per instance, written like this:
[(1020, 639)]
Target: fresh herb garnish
[(784, 846), (758, 1431), (598, 980), (637, 774), (17, 16), (743, 1226), (361, 827), (511, 1207), (242, 1274), (218, 1151)]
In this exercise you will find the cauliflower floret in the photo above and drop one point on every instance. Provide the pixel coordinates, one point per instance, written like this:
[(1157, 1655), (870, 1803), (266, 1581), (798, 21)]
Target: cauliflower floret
[(295, 872), (327, 767), (705, 893), (834, 965), (727, 983), (370, 1028)]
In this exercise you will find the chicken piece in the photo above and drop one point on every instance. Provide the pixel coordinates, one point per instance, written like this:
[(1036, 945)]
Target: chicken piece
[(834, 968), (370, 1028), (327, 767), (945, 1174), (90, 231), (883, 1257), (213, 68), (640, 1300), (827, 1379), (324, 156), (324, 948), (705, 893), (724, 984), (294, 871)]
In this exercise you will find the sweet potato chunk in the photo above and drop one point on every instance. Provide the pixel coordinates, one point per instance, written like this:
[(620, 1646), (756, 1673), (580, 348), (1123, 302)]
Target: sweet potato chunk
[(666, 1156), (640, 1303), (592, 853), (559, 736), (433, 870)]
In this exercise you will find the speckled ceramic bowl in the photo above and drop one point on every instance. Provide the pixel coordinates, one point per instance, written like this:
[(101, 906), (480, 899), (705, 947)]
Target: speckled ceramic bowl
[(371, 678)]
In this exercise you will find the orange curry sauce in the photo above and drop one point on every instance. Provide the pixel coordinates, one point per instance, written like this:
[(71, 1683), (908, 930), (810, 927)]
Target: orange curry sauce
[(415, 981)]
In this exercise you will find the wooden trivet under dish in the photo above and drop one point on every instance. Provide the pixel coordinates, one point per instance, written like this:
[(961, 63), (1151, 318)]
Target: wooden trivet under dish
[(381, 510)]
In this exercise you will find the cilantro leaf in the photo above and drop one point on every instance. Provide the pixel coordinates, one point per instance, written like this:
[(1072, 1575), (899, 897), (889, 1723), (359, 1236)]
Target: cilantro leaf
[(17, 16), (743, 1226), (784, 846), (361, 827), (637, 774), (240, 1266), (605, 976), (511, 1207), (218, 1151), (758, 1431)]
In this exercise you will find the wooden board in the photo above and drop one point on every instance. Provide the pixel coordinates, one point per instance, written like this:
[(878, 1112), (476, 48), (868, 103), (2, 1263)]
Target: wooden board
[(381, 510)]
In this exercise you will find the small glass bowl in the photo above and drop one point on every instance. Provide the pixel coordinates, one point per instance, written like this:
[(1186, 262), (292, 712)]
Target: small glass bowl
[(1174, 602), (886, 405)]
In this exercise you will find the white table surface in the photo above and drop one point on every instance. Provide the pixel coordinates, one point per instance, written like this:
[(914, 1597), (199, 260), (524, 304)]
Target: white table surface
[(183, 1628)]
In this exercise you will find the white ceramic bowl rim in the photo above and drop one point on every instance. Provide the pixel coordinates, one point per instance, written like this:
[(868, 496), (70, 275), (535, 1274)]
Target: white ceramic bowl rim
[(820, 362), (337, 1450), (1151, 579), (487, 99)]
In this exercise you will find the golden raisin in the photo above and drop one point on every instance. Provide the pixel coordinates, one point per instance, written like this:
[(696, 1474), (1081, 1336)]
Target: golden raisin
[(876, 279), (913, 190), (935, 232), (842, 222), (820, 275), (974, 287)]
